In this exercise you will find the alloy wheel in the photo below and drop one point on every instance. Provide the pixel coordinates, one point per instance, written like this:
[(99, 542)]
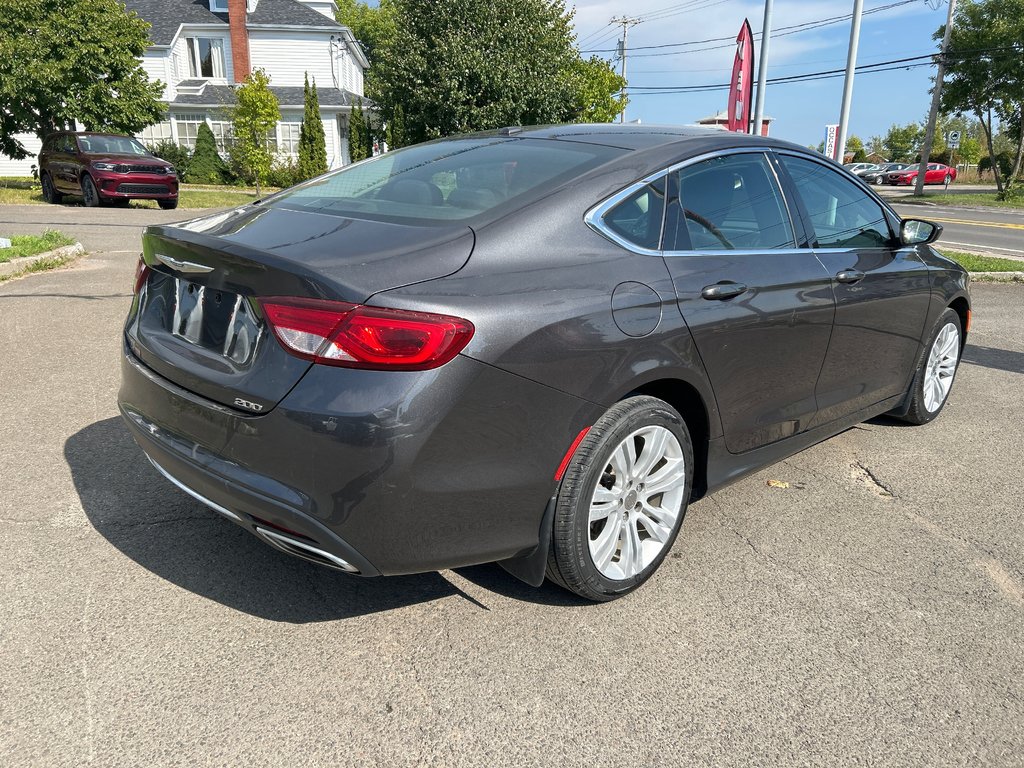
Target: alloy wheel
[(941, 367), (636, 502)]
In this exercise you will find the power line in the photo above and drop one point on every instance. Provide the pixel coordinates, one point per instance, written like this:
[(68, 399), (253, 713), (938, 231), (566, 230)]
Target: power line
[(791, 29), (909, 62)]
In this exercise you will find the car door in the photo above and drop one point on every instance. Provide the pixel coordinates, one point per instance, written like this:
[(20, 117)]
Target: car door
[(758, 306), (58, 163), (882, 289)]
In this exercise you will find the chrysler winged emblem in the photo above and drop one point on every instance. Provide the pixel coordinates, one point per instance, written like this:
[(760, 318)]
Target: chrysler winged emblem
[(182, 266)]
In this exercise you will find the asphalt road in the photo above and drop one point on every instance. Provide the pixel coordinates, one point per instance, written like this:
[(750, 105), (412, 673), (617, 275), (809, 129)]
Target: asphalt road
[(871, 613)]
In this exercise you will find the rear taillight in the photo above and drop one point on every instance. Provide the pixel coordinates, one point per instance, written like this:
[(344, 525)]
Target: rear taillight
[(355, 336), (141, 273)]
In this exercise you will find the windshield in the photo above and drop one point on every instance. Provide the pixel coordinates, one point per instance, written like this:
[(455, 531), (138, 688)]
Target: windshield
[(910, 168), (445, 181), (111, 145)]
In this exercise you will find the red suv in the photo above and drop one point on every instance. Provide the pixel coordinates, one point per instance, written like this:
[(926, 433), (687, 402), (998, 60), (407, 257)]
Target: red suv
[(104, 168)]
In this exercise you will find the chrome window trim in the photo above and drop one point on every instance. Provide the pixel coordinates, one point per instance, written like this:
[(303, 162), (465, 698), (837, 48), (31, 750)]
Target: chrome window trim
[(595, 216)]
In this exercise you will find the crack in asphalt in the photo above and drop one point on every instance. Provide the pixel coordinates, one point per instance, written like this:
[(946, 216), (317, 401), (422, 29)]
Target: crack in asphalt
[(864, 474)]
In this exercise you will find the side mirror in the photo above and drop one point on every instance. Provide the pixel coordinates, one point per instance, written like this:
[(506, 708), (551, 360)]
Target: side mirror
[(919, 232)]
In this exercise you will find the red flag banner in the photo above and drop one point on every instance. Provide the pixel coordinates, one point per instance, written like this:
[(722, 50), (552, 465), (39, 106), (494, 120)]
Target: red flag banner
[(742, 86)]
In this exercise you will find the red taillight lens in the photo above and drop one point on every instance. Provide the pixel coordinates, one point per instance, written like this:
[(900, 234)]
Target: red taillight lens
[(141, 273), (349, 335)]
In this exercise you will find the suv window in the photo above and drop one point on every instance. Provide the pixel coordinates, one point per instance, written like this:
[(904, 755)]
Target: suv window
[(638, 218), (730, 202), (843, 215)]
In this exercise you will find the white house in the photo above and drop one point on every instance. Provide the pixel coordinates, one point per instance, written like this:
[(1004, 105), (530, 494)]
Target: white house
[(202, 48)]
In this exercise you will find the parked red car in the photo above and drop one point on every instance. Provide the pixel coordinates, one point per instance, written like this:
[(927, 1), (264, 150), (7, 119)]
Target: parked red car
[(104, 168), (937, 173)]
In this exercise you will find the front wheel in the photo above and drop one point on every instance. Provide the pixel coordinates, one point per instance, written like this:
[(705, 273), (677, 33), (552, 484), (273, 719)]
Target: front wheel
[(936, 370), (90, 195), (168, 205), (622, 500)]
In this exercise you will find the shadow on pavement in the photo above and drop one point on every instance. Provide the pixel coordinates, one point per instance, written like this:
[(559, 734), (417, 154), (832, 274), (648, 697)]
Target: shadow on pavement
[(178, 539), (990, 357)]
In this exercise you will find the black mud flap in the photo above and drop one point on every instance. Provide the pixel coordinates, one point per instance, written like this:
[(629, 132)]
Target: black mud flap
[(531, 568)]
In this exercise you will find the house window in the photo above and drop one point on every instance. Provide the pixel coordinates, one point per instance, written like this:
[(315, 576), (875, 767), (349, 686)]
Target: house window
[(156, 133), (188, 128), (219, 6), (205, 56), (223, 134), (288, 136)]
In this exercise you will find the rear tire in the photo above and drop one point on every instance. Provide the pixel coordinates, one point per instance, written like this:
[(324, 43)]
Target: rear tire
[(50, 193), (622, 500), (936, 370), (90, 195), (168, 205)]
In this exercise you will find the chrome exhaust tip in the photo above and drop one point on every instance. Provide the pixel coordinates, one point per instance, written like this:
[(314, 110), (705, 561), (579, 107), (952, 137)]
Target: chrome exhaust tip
[(304, 550)]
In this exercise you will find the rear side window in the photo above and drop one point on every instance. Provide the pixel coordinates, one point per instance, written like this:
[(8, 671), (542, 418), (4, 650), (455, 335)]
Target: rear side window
[(446, 181), (730, 202), (842, 214), (638, 218)]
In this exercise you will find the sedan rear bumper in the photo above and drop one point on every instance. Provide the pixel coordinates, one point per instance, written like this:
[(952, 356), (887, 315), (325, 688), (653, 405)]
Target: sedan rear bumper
[(388, 472)]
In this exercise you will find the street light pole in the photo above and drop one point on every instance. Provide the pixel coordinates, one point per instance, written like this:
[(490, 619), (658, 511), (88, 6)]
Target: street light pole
[(933, 113), (851, 64), (762, 69)]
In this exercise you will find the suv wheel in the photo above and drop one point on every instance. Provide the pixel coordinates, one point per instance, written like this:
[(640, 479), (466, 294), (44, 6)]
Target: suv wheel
[(50, 194), (90, 195)]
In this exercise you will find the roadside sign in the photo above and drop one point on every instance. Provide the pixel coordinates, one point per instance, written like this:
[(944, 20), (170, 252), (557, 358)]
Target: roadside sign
[(953, 140), (831, 137)]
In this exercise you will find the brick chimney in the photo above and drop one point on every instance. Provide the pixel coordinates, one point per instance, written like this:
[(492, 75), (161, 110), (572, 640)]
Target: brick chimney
[(239, 39)]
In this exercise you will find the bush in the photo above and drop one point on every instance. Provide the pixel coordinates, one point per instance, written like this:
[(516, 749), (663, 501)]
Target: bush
[(206, 166), (1005, 164), (284, 173), (177, 156)]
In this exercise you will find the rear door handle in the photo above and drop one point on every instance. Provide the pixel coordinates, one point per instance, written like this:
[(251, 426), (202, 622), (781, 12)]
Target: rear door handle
[(721, 291), (850, 276)]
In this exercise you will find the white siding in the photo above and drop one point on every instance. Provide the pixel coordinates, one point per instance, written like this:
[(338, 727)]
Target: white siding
[(10, 167), (326, 7), (156, 63), (287, 56)]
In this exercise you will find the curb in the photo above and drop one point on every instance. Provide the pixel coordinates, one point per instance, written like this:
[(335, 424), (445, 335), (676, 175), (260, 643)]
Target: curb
[(997, 277), (64, 253)]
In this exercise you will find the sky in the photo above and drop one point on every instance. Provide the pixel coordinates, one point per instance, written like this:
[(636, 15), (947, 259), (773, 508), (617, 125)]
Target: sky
[(801, 110)]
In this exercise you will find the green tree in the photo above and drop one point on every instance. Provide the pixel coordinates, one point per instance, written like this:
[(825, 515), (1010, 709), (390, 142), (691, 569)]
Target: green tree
[(68, 60), (465, 65), (374, 28), (969, 151), (253, 119), (312, 142), (876, 146), (596, 88), (360, 142), (984, 75), (206, 166), (901, 142)]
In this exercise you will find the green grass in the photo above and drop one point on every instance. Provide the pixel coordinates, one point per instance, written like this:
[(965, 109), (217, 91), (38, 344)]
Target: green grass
[(30, 245), (974, 198), (20, 191), (973, 263)]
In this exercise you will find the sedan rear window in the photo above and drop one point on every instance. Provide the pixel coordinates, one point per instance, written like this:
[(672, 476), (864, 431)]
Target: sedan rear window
[(446, 181)]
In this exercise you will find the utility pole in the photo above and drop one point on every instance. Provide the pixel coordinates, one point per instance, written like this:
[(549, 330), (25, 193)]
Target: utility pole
[(851, 64), (626, 23), (933, 114), (762, 69)]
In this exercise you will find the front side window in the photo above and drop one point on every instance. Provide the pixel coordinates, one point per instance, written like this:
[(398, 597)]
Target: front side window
[(206, 57), (731, 202), (842, 214)]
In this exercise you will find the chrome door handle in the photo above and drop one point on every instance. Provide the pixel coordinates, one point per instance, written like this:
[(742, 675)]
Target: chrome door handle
[(850, 276), (721, 291)]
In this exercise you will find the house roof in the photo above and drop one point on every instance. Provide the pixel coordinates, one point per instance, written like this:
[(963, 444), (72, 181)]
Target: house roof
[(287, 96), (167, 16)]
